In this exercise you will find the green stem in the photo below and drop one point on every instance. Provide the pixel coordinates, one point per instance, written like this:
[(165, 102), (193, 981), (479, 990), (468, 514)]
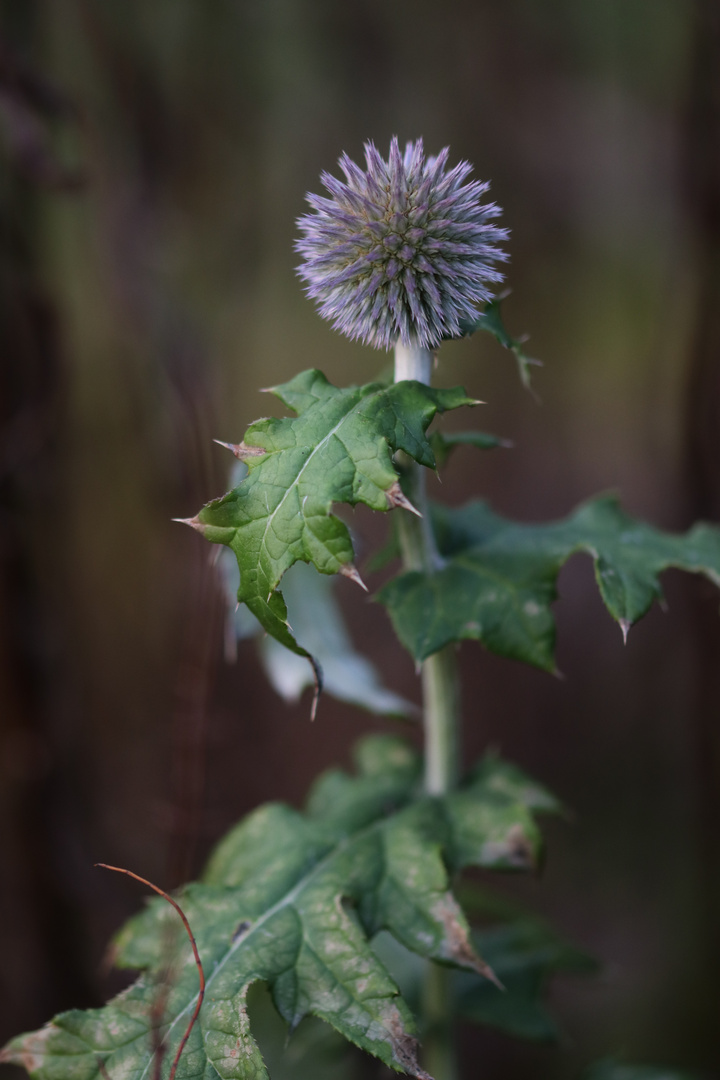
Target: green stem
[(438, 1045), (441, 695), (441, 713)]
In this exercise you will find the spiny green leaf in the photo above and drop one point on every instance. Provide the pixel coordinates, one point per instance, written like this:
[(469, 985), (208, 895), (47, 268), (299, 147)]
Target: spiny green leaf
[(499, 578), (337, 449), (491, 321), (293, 900)]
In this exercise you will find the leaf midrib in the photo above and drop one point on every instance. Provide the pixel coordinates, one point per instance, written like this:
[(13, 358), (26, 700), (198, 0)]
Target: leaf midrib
[(296, 481), (284, 901)]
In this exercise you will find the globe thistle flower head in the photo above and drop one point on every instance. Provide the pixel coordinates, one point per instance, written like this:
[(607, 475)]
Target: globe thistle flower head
[(401, 251)]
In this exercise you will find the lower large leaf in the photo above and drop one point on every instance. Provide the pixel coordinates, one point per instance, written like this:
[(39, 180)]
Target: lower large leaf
[(498, 580), (293, 900)]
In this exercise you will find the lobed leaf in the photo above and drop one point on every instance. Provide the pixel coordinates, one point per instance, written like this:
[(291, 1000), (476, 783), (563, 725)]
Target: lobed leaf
[(293, 900), (338, 448), (498, 580)]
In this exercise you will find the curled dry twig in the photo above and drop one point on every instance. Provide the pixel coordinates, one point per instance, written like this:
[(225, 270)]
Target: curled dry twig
[(196, 954)]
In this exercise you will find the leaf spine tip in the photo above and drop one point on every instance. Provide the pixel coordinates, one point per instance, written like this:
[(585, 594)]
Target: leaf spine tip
[(625, 625), (485, 969), (227, 445), (396, 497), (241, 450), (193, 522), (350, 572)]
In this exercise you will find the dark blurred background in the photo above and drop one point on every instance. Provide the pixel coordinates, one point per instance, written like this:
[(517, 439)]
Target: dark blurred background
[(154, 157)]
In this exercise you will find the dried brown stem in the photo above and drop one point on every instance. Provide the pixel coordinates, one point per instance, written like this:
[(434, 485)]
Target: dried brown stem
[(196, 954)]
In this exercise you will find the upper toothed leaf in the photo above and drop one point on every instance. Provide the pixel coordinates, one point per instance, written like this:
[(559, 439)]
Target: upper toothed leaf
[(338, 449), (498, 580)]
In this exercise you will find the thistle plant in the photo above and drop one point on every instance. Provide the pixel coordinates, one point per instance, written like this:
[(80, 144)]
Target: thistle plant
[(348, 911)]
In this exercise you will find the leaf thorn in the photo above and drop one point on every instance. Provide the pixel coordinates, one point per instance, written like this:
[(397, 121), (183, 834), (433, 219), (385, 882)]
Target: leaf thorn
[(625, 625), (396, 497), (350, 572), (241, 451), (193, 522), (485, 969)]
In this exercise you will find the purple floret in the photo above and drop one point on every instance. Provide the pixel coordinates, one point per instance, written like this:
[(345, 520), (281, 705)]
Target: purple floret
[(402, 251)]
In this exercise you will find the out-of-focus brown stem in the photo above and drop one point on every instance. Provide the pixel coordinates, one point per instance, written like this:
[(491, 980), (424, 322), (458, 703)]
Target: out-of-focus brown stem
[(196, 954)]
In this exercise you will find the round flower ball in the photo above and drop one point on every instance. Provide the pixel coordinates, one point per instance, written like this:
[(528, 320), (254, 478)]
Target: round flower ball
[(401, 251)]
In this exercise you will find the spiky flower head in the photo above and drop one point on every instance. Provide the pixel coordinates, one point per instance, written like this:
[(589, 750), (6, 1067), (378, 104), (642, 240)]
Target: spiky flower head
[(402, 251)]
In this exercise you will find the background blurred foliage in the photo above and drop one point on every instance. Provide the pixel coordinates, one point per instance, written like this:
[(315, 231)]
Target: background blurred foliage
[(154, 157)]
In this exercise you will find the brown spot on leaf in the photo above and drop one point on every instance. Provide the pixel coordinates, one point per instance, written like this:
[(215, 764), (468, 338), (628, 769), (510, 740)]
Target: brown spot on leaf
[(456, 943), (30, 1051), (404, 1046)]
